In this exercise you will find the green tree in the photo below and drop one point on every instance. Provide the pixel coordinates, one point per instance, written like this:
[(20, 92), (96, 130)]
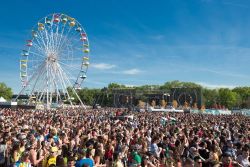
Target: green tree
[(238, 97), (115, 85), (147, 87), (227, 97), (244, 93), (5, 91), (169, 85), (174, 84), (88, 95), (210, 97)]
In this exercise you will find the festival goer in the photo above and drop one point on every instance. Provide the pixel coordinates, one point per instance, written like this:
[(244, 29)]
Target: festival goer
[(24, 161), (84, 160), (76, 137), (243, 159)]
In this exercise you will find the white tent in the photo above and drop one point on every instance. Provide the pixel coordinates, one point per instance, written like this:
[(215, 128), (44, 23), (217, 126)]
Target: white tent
[(2, 100)]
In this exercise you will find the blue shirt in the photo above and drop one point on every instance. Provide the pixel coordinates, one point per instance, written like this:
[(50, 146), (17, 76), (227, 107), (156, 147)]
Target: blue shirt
[(55, 138), (86, 161)]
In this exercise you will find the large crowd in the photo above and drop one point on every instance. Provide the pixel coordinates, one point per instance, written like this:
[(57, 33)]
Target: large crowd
[(109, 137)]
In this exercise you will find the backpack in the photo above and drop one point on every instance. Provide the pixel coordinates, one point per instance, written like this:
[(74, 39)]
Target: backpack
[(2, 158), (2, 154)]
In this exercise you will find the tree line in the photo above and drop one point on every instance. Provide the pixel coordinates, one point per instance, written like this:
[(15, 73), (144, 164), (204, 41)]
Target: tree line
[(238, 97)]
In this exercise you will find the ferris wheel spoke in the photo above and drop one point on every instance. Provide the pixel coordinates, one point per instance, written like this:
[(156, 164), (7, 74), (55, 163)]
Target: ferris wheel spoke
[(42, 71), (37, 54), (76, 59), (57, 38), (41, 93), (65, 38), (52, 36), (61, 35), (74, 67), (48, 42), (38, 48), (38, 45), (70, 38), (40, 40), (72, 87), (67, 56), (53, 73), (50, 33), (64, 83), (71, 77), (43, 39), (51, 85)]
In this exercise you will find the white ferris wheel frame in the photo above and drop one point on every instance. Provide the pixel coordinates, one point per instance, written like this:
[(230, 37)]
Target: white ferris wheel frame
[(48, 63)]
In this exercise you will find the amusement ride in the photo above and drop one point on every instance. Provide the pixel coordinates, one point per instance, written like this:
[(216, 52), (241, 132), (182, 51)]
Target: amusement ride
[(54, 61)]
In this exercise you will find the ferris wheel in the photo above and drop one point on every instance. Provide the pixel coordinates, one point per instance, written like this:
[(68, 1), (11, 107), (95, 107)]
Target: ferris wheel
[(55, 60)]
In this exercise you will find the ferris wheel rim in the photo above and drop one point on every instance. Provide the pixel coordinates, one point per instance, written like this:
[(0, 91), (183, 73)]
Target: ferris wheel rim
[(25, 80), (55, 40)]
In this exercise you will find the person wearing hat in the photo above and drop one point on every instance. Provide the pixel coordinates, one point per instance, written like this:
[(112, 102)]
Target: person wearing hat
[(51, 159)]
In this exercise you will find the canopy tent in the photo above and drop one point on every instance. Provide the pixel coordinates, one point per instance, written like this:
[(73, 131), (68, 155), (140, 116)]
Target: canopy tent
[(2, 100), (165, 120), (213, 112)]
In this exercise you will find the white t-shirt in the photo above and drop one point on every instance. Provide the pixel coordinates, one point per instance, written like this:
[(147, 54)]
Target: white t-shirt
[(244, 162)]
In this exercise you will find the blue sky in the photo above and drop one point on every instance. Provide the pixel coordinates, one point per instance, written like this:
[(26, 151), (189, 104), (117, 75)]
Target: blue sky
[(136, 42)]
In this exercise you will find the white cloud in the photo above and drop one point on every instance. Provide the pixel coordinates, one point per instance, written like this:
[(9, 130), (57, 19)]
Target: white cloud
[(225, 73), (103, 66), (129, 85), (157, 37), (235, 4), (214, 86), (90, 81), (133, 71)]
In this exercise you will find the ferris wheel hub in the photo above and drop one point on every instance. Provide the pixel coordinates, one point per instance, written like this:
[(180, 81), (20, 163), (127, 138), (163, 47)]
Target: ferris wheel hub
[(51, 59)]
